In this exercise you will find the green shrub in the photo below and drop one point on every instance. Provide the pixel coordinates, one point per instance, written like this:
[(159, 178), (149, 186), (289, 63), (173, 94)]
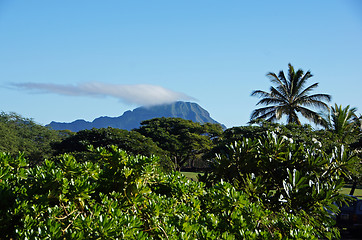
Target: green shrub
[(128, 197), (287, 176)]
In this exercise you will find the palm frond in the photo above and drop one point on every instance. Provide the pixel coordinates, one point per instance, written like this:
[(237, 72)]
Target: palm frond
[(271, 118), (279, 112), (343, 117), (320, 97), (312, 115), (312, 101), (268, 101), (295, 82), (303, 80), (278, 94), (281, 82), (289, 96), (291, 72), (282, 89), (283, 79), (260, 93), (308, 89), (262, 113)]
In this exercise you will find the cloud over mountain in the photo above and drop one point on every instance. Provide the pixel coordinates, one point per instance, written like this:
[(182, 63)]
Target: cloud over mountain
[(141, 94)]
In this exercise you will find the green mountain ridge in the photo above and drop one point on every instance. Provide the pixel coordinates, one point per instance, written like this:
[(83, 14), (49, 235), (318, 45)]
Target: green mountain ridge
[(132, 119)]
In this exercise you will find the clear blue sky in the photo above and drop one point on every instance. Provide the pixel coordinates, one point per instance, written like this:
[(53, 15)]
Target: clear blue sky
[(66, 60)]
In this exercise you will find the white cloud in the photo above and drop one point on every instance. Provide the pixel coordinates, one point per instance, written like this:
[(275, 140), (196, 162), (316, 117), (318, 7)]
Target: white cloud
[(140, 94)]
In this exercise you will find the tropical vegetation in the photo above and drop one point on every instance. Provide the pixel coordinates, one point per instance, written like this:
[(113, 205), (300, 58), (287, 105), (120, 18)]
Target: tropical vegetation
[(289, 97), (184, 141), (343, 123), (262, 181), (18, 134), (122, 196), (346, 128)]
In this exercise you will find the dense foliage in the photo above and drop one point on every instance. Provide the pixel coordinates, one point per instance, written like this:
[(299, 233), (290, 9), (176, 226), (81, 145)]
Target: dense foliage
[(300, 133), (345, 127), (184, 141), (285, 175), (129, 197), (18, 134), (264, 181), (131, 141)]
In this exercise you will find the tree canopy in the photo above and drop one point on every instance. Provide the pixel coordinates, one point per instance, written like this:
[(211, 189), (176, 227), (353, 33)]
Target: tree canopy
[(131, 141), (19, 134), (184, 140)]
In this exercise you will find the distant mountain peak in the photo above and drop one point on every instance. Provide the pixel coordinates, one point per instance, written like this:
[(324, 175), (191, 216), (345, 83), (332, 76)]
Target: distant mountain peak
[(132, 119)]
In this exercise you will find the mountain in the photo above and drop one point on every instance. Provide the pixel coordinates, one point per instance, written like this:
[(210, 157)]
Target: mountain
[(132, 119)]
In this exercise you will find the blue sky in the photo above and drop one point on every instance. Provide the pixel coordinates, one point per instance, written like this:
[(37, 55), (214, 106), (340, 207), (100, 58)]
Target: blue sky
[(67, 60)]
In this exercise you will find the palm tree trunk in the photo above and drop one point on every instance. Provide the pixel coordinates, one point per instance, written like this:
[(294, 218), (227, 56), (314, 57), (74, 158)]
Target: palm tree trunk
[(354, 185)]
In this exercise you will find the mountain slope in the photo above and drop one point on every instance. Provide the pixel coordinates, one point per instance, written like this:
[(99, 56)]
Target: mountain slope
[(132, 119)]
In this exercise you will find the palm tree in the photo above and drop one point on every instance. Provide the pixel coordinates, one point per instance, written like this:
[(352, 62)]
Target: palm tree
[(344, 123), (346, 126), (290, 97)]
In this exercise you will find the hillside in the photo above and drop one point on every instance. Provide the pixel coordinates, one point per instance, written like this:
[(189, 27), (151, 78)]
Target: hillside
[(132, 119)]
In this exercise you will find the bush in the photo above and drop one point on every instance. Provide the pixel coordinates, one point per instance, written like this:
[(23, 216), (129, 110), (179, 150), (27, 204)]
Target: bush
[(287, 176), (128, 197)]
